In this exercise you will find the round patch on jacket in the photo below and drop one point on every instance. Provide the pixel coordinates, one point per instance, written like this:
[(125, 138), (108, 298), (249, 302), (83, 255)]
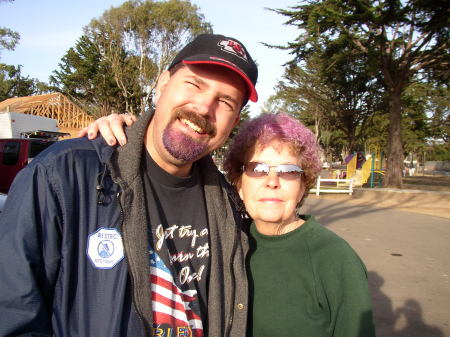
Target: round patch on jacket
[(105, 248)]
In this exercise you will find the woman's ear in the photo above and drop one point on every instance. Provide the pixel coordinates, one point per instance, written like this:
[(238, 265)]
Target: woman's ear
[(302, 193), (161, 85), (239, 188)]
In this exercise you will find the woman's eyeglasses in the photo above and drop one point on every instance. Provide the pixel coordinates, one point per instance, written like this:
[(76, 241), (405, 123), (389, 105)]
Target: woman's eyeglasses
[(255, 169)]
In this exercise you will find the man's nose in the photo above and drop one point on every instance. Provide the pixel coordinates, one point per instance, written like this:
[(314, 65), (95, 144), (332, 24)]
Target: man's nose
[(205, 103)]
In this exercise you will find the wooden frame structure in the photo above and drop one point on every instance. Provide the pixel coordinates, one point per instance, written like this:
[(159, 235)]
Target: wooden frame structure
[(71, 118)]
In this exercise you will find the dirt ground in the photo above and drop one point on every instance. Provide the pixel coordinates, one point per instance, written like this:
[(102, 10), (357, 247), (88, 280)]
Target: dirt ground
[(420, 194), (428, 182)]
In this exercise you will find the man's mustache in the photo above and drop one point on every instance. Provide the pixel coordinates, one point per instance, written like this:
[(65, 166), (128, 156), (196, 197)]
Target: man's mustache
[(201, 121)]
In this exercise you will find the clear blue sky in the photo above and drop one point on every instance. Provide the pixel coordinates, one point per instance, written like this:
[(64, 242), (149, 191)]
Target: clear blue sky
[(48, 28)]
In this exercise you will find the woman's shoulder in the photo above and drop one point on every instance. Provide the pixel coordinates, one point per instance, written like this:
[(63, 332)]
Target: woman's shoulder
[(324, 243)]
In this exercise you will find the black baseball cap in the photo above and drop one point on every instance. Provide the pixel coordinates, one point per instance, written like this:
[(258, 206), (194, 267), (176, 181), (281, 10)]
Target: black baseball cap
[(224, 51)]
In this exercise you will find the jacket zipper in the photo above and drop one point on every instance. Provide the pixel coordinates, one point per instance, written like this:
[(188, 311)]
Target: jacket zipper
[(233, 294), (136, 310)]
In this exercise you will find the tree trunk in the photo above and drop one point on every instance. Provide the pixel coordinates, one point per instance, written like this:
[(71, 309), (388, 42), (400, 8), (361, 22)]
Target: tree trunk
[(393, 177)]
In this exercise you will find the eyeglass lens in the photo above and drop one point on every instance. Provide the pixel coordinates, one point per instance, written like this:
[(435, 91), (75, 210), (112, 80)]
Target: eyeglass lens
[(284, 171)]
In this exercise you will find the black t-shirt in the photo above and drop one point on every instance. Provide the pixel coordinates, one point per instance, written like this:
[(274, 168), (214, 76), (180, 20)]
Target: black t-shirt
[(179, 250)]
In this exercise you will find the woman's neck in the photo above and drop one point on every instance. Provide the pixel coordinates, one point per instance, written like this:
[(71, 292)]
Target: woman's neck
[(270, 228)]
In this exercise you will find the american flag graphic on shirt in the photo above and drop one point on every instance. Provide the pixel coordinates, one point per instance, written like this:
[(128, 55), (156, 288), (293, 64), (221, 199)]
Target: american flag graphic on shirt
[(175, 312)]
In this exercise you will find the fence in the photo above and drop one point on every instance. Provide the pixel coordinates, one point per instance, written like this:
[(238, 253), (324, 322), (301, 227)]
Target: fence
[(333, 186)]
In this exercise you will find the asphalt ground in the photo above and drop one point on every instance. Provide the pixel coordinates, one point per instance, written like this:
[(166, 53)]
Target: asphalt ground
[(403, 236), (407, 255)]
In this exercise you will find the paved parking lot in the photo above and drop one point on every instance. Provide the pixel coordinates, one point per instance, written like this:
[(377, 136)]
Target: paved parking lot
[(407, 256)]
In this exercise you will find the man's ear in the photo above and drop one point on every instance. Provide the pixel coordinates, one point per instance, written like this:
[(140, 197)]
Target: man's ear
[(161, 85)]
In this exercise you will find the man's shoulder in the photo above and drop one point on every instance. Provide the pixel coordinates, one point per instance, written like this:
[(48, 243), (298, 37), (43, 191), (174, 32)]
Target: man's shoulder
[(72, 144), (78, 149)]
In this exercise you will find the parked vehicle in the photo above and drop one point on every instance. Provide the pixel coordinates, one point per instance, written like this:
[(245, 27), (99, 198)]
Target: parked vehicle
[(15, 154), (22, 137), (19, 125)]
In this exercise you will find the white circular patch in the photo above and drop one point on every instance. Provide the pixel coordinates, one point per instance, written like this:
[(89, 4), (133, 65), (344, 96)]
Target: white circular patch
[(105, 248)]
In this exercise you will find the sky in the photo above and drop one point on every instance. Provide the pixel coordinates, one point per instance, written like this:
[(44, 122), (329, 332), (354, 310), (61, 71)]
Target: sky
[(48, 28)]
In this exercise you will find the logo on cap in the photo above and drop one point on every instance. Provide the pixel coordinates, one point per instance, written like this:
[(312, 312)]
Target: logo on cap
[(233, 47)]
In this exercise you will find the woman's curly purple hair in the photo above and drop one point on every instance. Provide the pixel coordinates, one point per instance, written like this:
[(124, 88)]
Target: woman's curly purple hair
[(274, 126)]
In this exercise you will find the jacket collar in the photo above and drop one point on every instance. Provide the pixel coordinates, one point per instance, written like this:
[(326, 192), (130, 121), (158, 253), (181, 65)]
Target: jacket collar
[(126, 160)]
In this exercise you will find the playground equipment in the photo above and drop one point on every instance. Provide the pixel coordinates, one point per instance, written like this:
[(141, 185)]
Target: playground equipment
[(376, 168), (367, 171), (351, 167), (359, 170)]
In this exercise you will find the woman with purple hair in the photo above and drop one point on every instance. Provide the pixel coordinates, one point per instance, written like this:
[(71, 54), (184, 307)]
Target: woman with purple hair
[(304, 279)]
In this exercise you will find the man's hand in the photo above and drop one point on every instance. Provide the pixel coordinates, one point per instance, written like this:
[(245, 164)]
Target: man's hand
[(110, 127)]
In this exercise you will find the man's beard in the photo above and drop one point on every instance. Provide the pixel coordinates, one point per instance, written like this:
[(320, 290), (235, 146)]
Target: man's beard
[(182, 146)]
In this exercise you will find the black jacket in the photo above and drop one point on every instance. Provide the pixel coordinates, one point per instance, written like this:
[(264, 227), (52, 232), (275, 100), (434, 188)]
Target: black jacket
[(58, 279)]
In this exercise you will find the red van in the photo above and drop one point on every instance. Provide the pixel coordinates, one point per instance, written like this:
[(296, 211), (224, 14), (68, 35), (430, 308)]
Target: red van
[(15, 154)]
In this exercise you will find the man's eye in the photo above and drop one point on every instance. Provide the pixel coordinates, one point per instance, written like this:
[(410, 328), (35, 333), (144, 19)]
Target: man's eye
[(228, 104), (193, 84)]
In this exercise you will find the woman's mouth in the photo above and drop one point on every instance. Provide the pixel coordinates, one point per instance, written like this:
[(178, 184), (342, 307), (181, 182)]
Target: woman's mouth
[(270, 200)]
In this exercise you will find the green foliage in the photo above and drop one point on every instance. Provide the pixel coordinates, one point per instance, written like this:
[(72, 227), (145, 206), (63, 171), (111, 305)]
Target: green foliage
[(220, 153), (85, 76), (438, 152), (14, 84), (415, 126), (8, 39), (398, 40), (139, 39), (338, 103), (438, 107), (427, 120)]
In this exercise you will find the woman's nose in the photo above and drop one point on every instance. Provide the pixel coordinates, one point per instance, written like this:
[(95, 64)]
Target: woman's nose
[(272, 179)]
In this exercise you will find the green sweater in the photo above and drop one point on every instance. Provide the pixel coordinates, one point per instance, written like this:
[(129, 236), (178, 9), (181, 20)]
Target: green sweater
[(307, 283)]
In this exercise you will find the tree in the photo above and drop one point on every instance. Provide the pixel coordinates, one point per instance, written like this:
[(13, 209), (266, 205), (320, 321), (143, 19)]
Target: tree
[(402, 39), (140, 38), (87, 78), (302, 93), (14, 84), (339, 102), (8, 38), (219, 154), (438, 108), (427, 117)]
